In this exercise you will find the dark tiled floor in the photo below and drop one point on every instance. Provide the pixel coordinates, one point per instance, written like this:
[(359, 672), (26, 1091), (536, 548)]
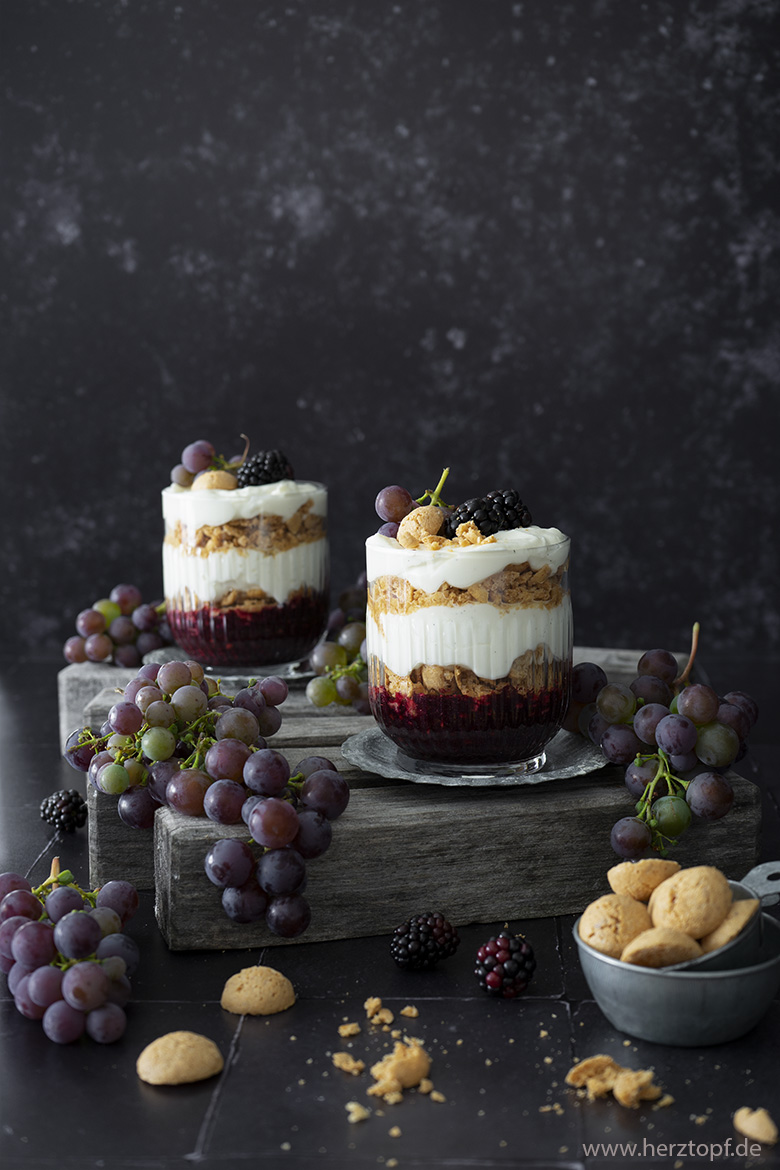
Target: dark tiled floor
[(280, 1101)]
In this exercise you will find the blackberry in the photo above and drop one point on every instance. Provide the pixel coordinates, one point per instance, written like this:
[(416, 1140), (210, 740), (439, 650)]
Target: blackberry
[(419, 944), (264, 467), (65, 810), (505, 964), (495, 512)]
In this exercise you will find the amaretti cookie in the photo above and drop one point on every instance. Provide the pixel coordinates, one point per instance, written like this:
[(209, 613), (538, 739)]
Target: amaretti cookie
[(638, 879), (179, 1058), (737, 917), (612, 921), (695, 900), (257, 991), (661, 946)]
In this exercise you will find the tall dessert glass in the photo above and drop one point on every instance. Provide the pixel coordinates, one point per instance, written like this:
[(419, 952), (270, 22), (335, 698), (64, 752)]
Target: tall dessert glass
[(245, 571), (470, 648)]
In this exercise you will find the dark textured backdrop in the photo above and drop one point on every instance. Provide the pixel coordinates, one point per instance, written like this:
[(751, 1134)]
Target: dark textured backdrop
[(536, 242)]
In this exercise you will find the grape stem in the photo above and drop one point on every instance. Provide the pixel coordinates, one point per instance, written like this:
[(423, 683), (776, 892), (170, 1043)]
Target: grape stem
[(682, 679), (434, 497), (674, 787)]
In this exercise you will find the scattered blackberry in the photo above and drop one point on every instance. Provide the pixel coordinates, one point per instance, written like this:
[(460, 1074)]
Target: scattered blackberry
[(505, 964), (495, 512), (65, 810), (264, 467), (419, 944)]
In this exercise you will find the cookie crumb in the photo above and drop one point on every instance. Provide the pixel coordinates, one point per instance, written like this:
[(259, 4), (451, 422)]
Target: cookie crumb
[(394, 1131), (756, 1124), (356, 1111), (347, 1063), (425, 1085), (403, 1068), (543, 1033), (349, 1029), (599, 1075), (437, 1096), (372, 1005), (410, 1010)]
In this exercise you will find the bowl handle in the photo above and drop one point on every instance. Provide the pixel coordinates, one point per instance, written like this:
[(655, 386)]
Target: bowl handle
[(764, 881)]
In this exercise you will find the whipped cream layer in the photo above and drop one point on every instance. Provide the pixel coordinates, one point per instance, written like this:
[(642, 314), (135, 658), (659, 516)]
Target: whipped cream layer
[(481, 637), (190, 581), (461, 566), (484, 638), (215, 506)]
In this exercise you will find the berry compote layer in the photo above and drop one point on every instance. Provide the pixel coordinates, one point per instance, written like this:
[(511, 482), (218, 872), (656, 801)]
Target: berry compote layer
[(470, 645), (245, 571)]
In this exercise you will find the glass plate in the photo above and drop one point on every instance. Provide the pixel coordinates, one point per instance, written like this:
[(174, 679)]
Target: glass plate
[(567, 756)]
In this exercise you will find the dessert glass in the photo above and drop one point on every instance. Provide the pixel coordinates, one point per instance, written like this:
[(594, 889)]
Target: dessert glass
[(470, 649), (245, 571)]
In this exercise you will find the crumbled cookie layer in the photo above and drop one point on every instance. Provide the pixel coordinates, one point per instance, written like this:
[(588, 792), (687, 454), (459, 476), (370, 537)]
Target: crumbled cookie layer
[(249, 600), (267, 533), (527, 674), (515, 585)]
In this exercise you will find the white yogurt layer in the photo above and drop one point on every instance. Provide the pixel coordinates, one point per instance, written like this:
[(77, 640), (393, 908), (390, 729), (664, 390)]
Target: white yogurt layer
[(215, 506), (483, 638), (428, 569), (193, 580)]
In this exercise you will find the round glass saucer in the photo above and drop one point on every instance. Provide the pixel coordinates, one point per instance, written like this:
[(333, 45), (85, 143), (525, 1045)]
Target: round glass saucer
[(238, 675), (566, 756)]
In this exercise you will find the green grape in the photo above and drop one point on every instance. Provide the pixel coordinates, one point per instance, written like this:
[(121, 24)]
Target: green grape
[(616, 703), (717, 745), (327, 655), (158, 743), (109, 609), (672, 815), (321, 692), (113, 778)]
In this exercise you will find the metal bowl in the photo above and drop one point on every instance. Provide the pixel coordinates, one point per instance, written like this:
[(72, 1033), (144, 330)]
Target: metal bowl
[(685, 1008)]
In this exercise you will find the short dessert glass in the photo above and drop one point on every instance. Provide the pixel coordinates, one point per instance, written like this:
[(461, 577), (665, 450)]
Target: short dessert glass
[(246, 572), (470, 650)]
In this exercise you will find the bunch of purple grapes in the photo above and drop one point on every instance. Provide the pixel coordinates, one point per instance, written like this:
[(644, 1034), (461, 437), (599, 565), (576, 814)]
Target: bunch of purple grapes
[(172, 735), (120, 628), (674, 738), (66, 956), (289, 817)]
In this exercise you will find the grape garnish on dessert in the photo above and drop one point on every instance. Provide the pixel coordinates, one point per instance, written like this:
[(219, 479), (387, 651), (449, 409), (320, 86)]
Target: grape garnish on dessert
[(469, 628), (245, 558)]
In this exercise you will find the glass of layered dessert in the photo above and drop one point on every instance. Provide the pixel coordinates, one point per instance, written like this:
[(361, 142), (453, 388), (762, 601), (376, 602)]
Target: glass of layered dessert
[(245, 569), (469, 638)]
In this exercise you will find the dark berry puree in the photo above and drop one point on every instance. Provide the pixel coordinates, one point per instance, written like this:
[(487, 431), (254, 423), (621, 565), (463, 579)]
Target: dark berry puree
[(502, 726), (259, 637)]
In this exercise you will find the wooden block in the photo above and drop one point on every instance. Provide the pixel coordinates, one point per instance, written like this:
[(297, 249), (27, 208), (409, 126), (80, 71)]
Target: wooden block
[(479, 855), (78, 684), (116, 851)]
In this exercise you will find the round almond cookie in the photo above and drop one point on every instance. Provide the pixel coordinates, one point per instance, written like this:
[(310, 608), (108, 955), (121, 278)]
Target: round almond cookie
[(661, 946), (638, 879), (257, 991), (609, 923), (739, 914), (695, 901), (178, 1058)]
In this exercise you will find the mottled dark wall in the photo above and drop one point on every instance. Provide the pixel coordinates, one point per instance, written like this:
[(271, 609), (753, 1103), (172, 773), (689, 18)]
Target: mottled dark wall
[(536, 242)]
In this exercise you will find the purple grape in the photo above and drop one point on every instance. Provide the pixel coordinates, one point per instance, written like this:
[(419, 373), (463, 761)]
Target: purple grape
[(631, 838), (676, 735), (119, 990), (123, 946), (145, 618), (90, 621), (22, 1000), (98, 647), (33, 944), (85, 986), (251, 700), (709, 796), (247, 806), (273, 823), (683, 762), (136, 807), (159, 776), (389, 529), (125, 718), (77, 935), (229, 862), (281, 871), (12, 881), (122, 632), (639, 775), (730, 715), (698, 702), (223, 801), (61, 901), (646, 719), (314, 835), (79, 755), (266, 772), (247, 903), (17, 973), (619, 743), (587, 679), (127, 656), (197, 456), (659, 663), (288, 916), (238, 723), (121, 896), (326, 792), (62, 1023), (8, 930), (45, 985), (73, 649), (652, 689), (269, 722), (393, 503), (22, 902), (273, 689), (106, 1024), (127, 597), (745, 703)]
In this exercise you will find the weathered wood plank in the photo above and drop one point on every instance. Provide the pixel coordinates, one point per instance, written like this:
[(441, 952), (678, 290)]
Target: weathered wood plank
[(479, 855)]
